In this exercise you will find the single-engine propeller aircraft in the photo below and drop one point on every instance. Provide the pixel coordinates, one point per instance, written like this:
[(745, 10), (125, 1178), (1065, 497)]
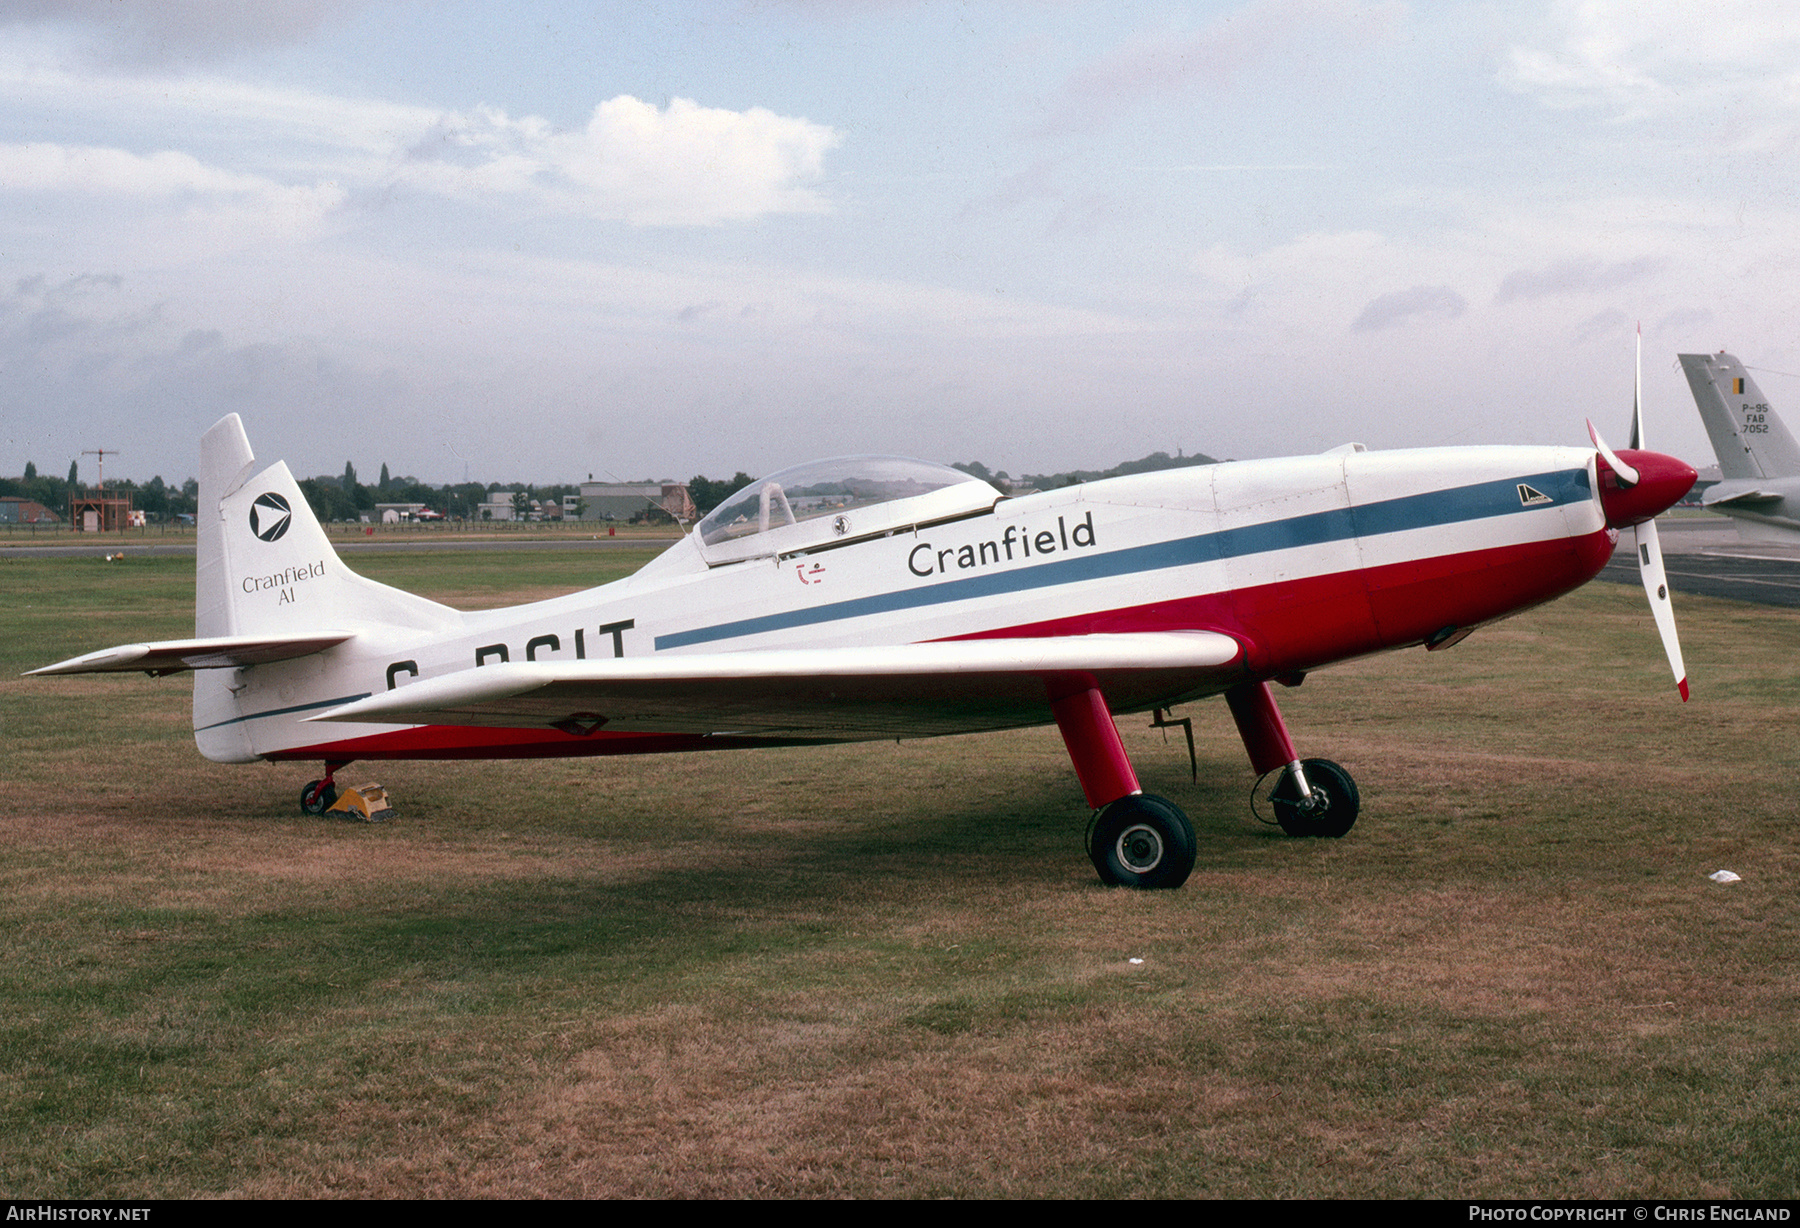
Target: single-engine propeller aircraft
[(874, 597), (1758, 459)]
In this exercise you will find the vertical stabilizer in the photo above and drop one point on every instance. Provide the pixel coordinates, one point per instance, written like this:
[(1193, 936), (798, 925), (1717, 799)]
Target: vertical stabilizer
[(265, 567), (225, 461), (1747, 435)]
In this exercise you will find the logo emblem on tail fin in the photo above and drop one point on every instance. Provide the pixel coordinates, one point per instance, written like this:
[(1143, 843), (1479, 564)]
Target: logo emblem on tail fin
[(270, 516)]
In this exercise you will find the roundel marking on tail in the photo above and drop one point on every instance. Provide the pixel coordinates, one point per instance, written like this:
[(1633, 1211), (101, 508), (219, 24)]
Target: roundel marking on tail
[(270, 516)]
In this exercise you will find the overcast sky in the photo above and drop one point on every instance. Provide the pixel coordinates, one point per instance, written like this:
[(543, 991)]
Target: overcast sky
[(542, 240)]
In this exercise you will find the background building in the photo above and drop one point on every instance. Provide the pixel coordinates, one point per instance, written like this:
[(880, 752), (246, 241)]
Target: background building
[(498, 506), (622, 501), (15, 510)]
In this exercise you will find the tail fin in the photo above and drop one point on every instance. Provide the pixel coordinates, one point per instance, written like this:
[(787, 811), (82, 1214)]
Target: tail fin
[(265, 567), (225, 461), (1747, 435)]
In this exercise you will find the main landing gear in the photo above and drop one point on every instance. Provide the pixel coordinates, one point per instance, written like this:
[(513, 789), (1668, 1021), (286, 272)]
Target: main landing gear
[(1139, 840), (1135, 839)]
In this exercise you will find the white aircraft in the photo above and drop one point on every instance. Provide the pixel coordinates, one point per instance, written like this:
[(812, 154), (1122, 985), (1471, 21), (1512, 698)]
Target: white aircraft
[(1758, 459), (874, 597)]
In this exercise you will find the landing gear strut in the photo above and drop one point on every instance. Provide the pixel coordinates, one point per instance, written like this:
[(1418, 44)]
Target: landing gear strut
[(1313, 798), (1135, 839), (318, 796)]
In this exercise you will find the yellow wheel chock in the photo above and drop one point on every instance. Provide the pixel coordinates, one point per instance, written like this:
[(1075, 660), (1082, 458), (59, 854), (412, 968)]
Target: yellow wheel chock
[(365, 803)]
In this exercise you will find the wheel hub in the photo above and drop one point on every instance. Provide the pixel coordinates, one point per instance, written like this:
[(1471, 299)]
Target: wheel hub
[(1140, 849)]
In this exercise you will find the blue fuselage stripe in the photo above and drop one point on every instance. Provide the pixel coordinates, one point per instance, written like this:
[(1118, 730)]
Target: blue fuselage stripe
[(1480, 501), (257, 716)]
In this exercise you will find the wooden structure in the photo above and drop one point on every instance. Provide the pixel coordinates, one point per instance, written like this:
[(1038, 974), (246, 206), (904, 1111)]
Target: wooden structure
[(100, 511)]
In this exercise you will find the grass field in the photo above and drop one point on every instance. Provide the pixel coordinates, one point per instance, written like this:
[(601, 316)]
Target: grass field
[(889, 969)]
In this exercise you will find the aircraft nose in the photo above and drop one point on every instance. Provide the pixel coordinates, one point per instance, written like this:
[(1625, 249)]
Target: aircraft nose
[(1662, 480)]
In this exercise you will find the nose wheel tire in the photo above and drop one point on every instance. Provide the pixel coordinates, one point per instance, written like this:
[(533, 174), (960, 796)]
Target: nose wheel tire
[(1334, 805), (1142, 841)]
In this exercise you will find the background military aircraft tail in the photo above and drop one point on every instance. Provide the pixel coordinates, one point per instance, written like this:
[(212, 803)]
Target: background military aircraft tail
[(1758, 458)]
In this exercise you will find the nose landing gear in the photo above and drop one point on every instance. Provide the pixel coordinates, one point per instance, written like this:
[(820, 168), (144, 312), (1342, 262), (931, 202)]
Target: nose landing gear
[(1326, 807), (1314, 797)]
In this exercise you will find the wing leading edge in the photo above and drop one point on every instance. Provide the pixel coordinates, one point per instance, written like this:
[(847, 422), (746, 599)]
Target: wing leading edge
[(827, 694)]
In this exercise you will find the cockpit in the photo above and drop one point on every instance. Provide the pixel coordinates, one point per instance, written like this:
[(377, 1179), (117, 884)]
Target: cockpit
[(829, 502)]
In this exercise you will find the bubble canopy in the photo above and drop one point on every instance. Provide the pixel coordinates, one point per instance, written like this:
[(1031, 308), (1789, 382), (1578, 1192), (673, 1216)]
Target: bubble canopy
[(824, 502)]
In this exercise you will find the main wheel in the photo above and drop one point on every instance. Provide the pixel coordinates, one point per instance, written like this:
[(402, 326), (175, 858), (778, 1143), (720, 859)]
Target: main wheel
[(317, 796), (1328, 781), (1142, 841)]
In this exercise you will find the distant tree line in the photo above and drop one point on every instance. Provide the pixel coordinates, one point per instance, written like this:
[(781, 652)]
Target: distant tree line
[(155, 497), (346, 498), (708, 494), (1152, 463)]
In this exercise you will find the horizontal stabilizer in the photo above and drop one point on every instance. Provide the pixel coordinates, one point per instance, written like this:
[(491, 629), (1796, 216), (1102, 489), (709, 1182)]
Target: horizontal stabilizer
[(174, 656), (828, 694), (1717, 497)]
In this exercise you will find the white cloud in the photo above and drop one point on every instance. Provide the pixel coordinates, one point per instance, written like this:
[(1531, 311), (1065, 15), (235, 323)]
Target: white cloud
[(42, 166), (683, 165), (680, 165), (1610, 325), (1642, 60), (168, 206), (282, 132)]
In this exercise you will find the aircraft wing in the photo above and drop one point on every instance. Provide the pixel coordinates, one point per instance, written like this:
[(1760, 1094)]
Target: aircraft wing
[(173, 656), (824, 694)]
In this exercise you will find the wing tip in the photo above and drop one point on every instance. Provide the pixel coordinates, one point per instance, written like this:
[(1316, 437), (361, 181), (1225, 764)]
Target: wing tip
[(107, 660)]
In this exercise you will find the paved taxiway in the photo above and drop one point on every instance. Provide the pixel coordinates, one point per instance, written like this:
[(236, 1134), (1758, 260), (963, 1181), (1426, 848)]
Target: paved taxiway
[(1704, 556)]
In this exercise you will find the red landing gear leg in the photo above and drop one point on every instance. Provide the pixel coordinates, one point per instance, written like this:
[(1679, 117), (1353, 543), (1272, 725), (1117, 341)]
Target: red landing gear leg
[(1313, 798), (318, 795), (1135, 840)]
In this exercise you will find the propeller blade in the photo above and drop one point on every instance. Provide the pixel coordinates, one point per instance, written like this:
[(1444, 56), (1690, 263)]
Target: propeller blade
[(1627, 473), (1656, 587), (1637, 396), (1636, 498)]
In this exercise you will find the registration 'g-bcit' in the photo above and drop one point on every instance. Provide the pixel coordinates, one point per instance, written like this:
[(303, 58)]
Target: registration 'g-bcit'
[(875, 597)]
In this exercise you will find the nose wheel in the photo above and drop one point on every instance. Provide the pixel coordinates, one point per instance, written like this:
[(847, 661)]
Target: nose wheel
[(1327, 807)]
